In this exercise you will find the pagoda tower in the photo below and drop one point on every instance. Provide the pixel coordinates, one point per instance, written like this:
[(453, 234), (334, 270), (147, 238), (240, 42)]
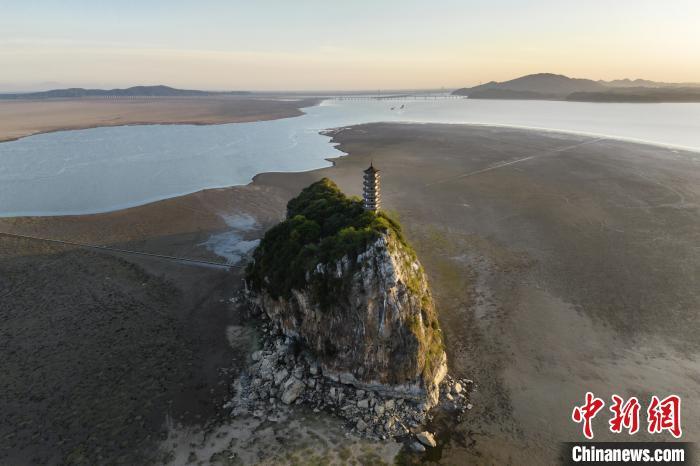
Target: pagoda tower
[(370, 190)]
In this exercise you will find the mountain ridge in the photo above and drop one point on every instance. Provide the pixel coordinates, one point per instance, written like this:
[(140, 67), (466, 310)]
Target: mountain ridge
[(159, 90), (550, 86), (541, 83)]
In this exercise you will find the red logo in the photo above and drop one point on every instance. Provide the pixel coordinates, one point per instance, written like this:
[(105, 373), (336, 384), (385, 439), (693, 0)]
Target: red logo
[(662, 415), (624, 415), (587, 412), (665, 415)]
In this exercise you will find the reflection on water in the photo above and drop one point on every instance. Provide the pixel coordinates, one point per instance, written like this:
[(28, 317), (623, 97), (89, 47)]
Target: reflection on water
[(102, 169)]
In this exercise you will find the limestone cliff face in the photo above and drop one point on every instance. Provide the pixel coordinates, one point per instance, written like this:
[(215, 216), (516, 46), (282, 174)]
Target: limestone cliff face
[(368, 319)]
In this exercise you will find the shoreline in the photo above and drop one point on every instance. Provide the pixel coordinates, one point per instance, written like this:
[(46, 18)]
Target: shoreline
[(307, 102), (542, 129), (331, 132), (153, 123), (296, 110)]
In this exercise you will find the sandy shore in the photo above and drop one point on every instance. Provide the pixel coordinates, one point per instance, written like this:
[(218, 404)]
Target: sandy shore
[(560, 264), (20, 118)]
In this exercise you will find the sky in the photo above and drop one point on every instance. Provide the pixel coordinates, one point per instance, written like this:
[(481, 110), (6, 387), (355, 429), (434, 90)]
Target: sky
[(334, 45)]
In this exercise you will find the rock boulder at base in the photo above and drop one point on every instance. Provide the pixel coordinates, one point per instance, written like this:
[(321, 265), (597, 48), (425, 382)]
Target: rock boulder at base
[(280, 376), (417, 447), (292, 390), (427, 439)]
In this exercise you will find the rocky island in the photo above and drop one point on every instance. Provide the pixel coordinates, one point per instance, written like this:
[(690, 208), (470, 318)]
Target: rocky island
[(350, 321)]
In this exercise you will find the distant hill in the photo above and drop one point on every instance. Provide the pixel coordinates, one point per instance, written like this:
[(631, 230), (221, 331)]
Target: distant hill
[(551, 85), (136, 91), (639, 94), (495, 93), (646, 83), (548, 86)]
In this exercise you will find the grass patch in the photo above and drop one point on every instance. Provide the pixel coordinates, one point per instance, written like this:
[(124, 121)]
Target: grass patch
[(322, 226)]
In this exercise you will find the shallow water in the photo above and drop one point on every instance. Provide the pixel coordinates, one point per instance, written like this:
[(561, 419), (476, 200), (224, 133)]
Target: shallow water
[(230, 244), (103, 169)]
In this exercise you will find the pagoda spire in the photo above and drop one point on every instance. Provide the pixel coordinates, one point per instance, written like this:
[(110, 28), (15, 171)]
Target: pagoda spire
[(371, 192)]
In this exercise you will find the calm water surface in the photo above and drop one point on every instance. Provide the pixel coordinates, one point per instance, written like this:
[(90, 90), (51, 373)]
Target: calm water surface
[(103, 169)]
